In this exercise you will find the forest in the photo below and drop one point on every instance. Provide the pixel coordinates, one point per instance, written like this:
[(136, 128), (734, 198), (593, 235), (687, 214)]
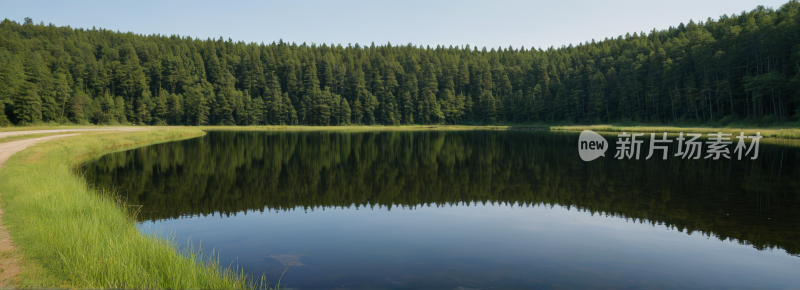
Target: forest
[(737, 68)]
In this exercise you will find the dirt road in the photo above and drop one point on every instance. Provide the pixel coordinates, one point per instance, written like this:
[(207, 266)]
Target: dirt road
[(18, 133), (10, 148)]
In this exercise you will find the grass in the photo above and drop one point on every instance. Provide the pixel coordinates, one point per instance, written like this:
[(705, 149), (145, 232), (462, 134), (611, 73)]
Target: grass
[(75, 237), (274, 127), (780, 133), (353, 128), (28, 136)]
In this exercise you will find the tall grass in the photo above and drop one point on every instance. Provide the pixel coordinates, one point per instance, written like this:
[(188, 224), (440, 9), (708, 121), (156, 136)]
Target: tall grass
[(86, 239)]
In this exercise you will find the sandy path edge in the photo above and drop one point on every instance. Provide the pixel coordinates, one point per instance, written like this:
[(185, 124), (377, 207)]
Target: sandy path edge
[(9, 262), (28, 132)]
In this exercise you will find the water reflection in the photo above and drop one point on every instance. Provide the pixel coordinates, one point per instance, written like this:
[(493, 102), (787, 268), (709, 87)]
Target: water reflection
[(299, 174)]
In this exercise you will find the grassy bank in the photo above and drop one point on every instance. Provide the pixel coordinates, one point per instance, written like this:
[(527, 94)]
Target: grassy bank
[(72, 236), (780, 133), (354, 128), (787, 132)]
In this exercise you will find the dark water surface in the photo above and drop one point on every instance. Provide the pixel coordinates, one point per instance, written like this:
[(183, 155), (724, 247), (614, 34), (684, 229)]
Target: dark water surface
[(472, 209)]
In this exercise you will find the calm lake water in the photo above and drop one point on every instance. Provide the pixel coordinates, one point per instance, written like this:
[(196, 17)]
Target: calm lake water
[(471, 209)]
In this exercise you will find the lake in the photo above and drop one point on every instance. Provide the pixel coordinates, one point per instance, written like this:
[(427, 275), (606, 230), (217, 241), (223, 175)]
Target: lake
[(471, 209)]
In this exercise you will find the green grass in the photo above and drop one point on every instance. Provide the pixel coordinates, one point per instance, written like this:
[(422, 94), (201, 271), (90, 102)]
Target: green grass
[(28, 136), (353, 128), (72, 236), (780, 133)]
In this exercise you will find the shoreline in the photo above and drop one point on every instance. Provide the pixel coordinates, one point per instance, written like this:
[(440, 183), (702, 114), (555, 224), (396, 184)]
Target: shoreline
[(70, 235), (39, 184), (768, 132), (771, 133)]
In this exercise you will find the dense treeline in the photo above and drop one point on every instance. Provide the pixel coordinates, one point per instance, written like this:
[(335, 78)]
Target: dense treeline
[(228, 173), (739, 67)]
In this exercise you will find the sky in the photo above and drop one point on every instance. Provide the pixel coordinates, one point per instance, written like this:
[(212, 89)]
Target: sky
[(499, 23)]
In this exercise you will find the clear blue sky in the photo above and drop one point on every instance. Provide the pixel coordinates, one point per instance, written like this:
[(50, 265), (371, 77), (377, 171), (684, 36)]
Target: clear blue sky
[(481, 23)]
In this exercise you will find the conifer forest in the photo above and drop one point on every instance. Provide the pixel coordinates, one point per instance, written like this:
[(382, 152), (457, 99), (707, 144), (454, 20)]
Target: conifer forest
[(738, 68)]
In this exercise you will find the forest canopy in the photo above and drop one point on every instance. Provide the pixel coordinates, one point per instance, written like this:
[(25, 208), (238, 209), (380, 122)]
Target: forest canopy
[(742, 67)]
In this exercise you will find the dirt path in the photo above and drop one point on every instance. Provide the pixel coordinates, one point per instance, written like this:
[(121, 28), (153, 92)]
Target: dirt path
[(10, 148), (18, 133), (9, 260)]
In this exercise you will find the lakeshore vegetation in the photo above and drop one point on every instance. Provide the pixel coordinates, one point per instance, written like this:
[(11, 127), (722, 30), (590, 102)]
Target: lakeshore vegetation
[(70, 235), (740, 69)]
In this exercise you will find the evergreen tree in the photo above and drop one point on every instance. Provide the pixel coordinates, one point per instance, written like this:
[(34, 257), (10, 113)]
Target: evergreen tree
[(344, 112), (28, 105), (741, 67)]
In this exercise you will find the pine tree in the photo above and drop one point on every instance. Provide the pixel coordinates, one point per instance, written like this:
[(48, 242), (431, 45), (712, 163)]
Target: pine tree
[(161, 109), (407, 107), (223, 110), (196, 105), (28, 105), (79, 108), (487, 104), (389, 112), (120, 110), (290, 114), (175, 105), (4, 122), (11, 77), (596, 107), (62, 92), (345, 112), (322, 108), (257, 112), (142, 106)]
